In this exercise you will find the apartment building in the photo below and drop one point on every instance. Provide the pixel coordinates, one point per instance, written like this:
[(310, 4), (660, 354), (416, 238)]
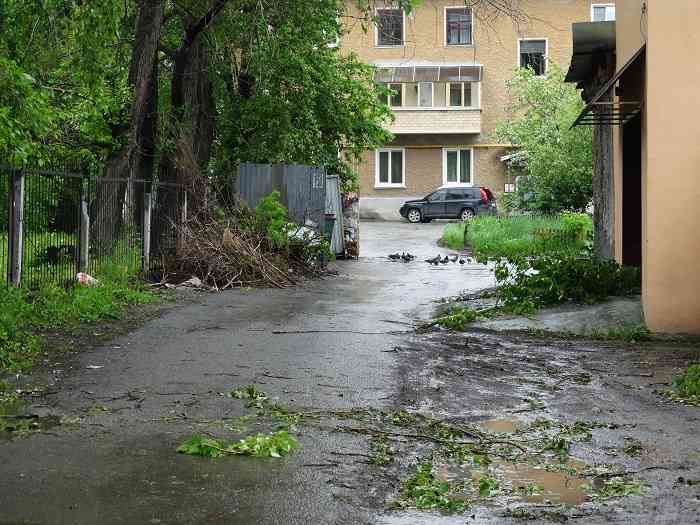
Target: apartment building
[(447, 65)]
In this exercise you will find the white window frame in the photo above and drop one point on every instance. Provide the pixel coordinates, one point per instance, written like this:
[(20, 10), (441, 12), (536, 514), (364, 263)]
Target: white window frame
[(444, 26), (377, 183), (476, 95), (403, 94), (546, 52), (469, 184), (376, 28), (432, 93), (606, 6)]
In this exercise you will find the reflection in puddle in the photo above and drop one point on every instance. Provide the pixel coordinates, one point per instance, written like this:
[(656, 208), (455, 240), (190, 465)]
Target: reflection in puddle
[(506, 425), (561, 484), (559, 487)]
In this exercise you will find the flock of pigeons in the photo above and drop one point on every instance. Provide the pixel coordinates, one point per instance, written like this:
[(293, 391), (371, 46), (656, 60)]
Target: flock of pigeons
[(407, 257)]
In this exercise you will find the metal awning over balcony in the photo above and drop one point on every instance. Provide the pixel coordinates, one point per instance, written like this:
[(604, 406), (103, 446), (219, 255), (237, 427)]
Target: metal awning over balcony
[(416, 71)]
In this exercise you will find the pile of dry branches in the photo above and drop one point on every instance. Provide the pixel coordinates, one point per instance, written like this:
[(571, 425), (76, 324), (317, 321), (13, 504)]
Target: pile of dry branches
[(226, 254)]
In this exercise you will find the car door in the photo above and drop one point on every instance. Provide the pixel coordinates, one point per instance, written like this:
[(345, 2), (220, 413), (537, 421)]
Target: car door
[(454, 203), (435, 207)]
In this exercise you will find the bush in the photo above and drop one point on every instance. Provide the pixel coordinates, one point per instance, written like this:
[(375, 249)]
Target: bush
[(558, 159), (528, 284), (272, 218)]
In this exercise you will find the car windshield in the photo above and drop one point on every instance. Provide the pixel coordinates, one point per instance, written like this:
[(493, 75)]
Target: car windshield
[(435, 196)]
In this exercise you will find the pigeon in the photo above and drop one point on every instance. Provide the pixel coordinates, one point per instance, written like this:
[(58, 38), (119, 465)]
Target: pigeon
[(434, 260), (407, 257), (462, 261), (454, 259), (394, 257), (445, 260)]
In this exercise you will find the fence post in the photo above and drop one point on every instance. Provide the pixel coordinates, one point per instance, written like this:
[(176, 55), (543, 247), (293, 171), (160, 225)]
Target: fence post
[(147, 208), (84, 233), (16, 237)]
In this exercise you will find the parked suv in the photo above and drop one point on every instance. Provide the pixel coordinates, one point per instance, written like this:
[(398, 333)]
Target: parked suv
[(450, 203)]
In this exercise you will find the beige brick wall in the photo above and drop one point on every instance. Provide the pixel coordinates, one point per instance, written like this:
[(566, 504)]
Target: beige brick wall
[(424, 170), (435, 121), (496, 48)]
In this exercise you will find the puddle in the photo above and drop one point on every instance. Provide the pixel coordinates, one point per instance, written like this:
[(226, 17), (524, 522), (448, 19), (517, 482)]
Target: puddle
[(16, 421), (501, 426), (529, 484), (556, 487)]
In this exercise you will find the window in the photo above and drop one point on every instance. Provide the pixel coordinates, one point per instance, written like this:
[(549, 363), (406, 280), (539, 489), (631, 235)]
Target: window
[(603, 12), (437, 196), (457, 166), (395, 99), (458, 26), (533, 55), (425, 94), (389, 27), (389, 168), (459, 94)]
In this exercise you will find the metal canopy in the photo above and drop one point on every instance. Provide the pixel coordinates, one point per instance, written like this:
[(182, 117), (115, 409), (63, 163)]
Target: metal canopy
[(597, 113), (408, 72)]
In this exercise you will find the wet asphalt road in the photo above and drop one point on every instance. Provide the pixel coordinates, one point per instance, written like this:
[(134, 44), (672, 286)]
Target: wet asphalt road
[(119, 464), (340, 343)]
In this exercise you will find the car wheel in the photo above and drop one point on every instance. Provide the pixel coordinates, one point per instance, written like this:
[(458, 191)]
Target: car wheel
[(414, 215), (467, 214)]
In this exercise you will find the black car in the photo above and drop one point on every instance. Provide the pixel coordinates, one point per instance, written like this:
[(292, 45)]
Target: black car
[(450, 203)]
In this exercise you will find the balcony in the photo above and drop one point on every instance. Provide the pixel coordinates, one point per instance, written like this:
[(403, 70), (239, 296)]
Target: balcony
[(432, 98), (441, 121)]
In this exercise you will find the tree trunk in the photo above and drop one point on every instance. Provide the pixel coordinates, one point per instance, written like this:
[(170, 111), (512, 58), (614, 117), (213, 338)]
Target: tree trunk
[(135, 159)]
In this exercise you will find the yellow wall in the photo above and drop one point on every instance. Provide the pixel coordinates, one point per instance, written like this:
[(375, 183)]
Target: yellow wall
[(495, 46), (671, 223)]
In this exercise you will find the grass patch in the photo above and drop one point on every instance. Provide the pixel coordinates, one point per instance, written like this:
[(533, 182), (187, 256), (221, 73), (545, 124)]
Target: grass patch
[(633, 333), (523, 235), (688, 383), (26, 313)]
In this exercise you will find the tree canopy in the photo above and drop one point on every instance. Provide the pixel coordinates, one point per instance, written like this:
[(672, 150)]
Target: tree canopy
[(558, 159)]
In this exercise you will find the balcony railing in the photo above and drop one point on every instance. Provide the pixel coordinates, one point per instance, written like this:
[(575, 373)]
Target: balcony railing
[(436, 120)]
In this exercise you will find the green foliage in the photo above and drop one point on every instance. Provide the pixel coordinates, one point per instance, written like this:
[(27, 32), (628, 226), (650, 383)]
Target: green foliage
[(424, 491), (298, 100), (688, 383), (528, 284), (488, 487), (272, 219), (617, 487), (256, 398), (381, 452), (558, 159), (458, 318), (453, 236), (635, 333), (523, 235), (274, 445), (53, 307)]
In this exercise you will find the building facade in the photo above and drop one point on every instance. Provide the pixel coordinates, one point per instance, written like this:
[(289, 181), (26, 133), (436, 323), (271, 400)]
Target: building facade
[(651, 106), (447, 66)]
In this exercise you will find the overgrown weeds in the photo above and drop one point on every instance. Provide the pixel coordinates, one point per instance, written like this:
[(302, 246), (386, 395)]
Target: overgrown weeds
[(26, 313), (686, 387), (521, 235)]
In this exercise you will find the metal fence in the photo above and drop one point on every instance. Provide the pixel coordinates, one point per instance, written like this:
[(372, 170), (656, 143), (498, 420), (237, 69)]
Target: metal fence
[(302, 189), (57, 223)]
